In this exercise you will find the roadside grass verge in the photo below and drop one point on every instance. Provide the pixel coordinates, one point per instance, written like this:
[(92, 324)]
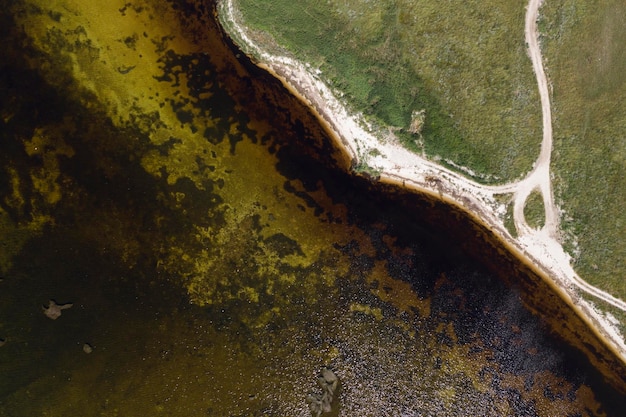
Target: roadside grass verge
[(464, 63), (583, 43)]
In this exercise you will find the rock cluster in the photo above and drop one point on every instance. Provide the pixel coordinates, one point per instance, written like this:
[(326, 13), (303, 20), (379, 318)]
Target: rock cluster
[(322, 403)]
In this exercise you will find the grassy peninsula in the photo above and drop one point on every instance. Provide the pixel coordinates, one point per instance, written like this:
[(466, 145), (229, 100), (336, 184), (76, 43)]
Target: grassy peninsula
[(464, 67)]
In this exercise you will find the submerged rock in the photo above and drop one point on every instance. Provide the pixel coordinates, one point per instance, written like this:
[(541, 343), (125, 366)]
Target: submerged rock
[(53, 311), (322, 403)]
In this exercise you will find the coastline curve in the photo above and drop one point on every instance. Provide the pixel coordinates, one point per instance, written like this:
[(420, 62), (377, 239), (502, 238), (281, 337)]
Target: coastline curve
[(397, 166)]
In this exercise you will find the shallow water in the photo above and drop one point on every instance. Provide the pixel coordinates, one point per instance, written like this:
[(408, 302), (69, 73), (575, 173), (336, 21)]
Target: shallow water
[(215, 267)]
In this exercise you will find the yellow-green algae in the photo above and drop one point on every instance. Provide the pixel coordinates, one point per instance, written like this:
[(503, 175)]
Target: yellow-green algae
[(210, 205)]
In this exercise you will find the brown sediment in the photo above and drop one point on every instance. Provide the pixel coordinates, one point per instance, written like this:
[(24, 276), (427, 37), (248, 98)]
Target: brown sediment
[(439, 205)]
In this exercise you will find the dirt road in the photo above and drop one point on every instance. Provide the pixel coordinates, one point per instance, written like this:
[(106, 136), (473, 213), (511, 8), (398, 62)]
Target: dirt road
[(539, 178)]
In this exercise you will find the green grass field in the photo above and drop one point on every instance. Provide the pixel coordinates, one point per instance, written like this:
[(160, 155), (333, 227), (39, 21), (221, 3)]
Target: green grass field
[(463, 62), (583, 44)]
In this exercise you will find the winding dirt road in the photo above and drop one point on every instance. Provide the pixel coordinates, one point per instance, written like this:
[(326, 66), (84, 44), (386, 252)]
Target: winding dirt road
[(539, 178)]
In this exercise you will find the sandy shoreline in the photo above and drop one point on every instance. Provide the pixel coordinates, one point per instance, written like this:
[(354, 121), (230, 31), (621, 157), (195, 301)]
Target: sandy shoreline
[(396, 165)]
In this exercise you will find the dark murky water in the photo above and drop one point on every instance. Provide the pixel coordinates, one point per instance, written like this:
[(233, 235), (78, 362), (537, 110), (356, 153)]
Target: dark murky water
[(215, 267)]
